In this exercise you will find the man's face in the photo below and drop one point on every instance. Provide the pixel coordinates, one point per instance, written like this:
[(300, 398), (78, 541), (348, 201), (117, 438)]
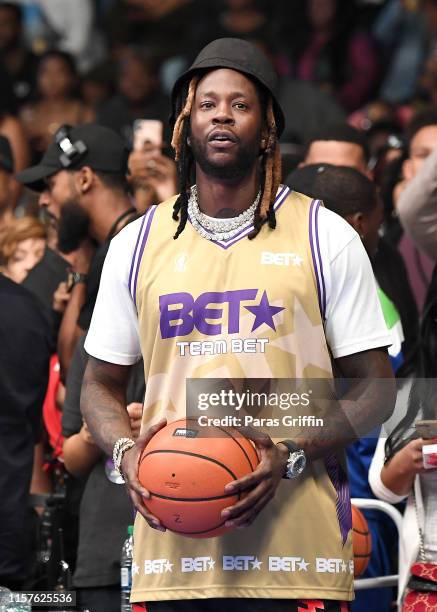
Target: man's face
[(60, 189), (61, 201), (55, 78), (226, 124), (422, 144), (136, 82), (337, 153)]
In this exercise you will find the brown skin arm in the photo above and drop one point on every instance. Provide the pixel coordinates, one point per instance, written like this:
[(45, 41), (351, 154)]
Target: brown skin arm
[(368, 403), (103, 405), (365, 407), (70, 332), (80, 450), (103, 402), (399, 473)]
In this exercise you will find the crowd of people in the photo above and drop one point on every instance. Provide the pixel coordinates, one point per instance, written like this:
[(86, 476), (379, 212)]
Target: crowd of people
[(351, 122)]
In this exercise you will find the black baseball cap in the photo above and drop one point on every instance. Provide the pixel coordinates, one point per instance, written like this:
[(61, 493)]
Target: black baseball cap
[(240, 55), (6, 156), (95, 146), (304, 179)]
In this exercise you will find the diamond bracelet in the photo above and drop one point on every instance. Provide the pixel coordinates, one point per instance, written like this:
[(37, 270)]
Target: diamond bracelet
[(120, 447)]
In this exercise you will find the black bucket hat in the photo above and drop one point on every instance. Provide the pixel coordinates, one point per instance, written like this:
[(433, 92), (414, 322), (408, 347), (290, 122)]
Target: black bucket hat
[(240, 55)]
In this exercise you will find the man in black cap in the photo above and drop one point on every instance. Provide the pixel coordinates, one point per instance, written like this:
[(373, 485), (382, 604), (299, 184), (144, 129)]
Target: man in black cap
[(82, 181), (258, 281), (6, 172)]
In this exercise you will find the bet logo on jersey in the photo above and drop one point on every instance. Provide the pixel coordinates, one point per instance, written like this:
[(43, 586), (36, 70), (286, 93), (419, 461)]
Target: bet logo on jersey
[(181, 313)]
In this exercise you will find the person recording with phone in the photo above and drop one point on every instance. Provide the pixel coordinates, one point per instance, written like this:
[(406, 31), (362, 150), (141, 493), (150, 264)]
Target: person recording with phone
[(153, 175), (403, 466)]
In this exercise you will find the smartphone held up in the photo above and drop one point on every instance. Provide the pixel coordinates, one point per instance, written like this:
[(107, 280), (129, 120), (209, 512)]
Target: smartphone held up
[(148, 135)]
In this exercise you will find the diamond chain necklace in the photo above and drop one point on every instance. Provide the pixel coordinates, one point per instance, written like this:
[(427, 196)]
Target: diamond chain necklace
[(219, 229)]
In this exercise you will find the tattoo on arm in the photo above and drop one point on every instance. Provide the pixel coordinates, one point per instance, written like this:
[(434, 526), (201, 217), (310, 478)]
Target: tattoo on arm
[(368, 402), (103, 402)]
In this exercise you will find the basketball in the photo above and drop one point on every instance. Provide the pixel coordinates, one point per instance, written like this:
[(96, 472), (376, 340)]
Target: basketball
[(185, 468), (362, 541)]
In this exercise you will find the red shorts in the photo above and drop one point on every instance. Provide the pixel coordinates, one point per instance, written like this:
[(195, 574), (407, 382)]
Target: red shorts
[(243, 605)]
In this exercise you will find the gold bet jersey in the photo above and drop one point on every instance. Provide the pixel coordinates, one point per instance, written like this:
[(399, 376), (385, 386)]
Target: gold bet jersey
[(240, 309)]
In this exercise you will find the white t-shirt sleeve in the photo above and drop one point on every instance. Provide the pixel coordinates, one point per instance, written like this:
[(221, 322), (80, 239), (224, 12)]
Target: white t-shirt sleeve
[(113, 335), (354, 320)]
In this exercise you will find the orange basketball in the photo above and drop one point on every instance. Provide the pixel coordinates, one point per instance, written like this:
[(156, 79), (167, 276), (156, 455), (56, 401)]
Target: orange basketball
[(362, 541), (185, 468)]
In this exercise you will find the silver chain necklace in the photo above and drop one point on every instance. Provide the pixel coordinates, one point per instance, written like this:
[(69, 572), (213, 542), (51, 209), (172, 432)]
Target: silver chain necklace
[(219, 229)]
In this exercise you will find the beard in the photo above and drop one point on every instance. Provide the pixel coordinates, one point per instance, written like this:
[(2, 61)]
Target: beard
[(73, 227), (236, 168)]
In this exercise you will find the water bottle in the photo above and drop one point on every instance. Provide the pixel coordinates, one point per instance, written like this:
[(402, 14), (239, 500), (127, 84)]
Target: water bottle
[(126, 571)]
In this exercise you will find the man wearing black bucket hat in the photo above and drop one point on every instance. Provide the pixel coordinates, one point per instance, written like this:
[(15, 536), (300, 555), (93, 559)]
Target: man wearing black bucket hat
[(237, 277)]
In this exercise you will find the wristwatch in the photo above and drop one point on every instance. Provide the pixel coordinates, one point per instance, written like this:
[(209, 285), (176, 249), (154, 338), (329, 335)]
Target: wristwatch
[(78, 277), (296, 461), (74, 278)]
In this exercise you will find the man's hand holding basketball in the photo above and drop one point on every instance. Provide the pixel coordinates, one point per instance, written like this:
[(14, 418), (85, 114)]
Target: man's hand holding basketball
[(261, 484), (129, 468)]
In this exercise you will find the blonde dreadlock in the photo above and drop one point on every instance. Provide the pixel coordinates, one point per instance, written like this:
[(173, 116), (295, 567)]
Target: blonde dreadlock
[(271, 179), (184, 114), (183, 155), (271, 163)]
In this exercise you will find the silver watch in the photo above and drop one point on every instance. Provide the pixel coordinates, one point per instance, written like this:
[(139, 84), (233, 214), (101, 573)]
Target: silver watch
[(296, 461)]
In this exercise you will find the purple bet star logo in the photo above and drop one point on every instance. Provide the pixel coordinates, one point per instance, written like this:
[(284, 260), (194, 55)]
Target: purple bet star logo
[(181, 313), (264, 313)]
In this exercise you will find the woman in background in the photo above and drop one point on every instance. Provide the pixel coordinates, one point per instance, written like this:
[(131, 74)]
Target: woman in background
[(12, 129), (397, 470), (56, 102), (22, 246)]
